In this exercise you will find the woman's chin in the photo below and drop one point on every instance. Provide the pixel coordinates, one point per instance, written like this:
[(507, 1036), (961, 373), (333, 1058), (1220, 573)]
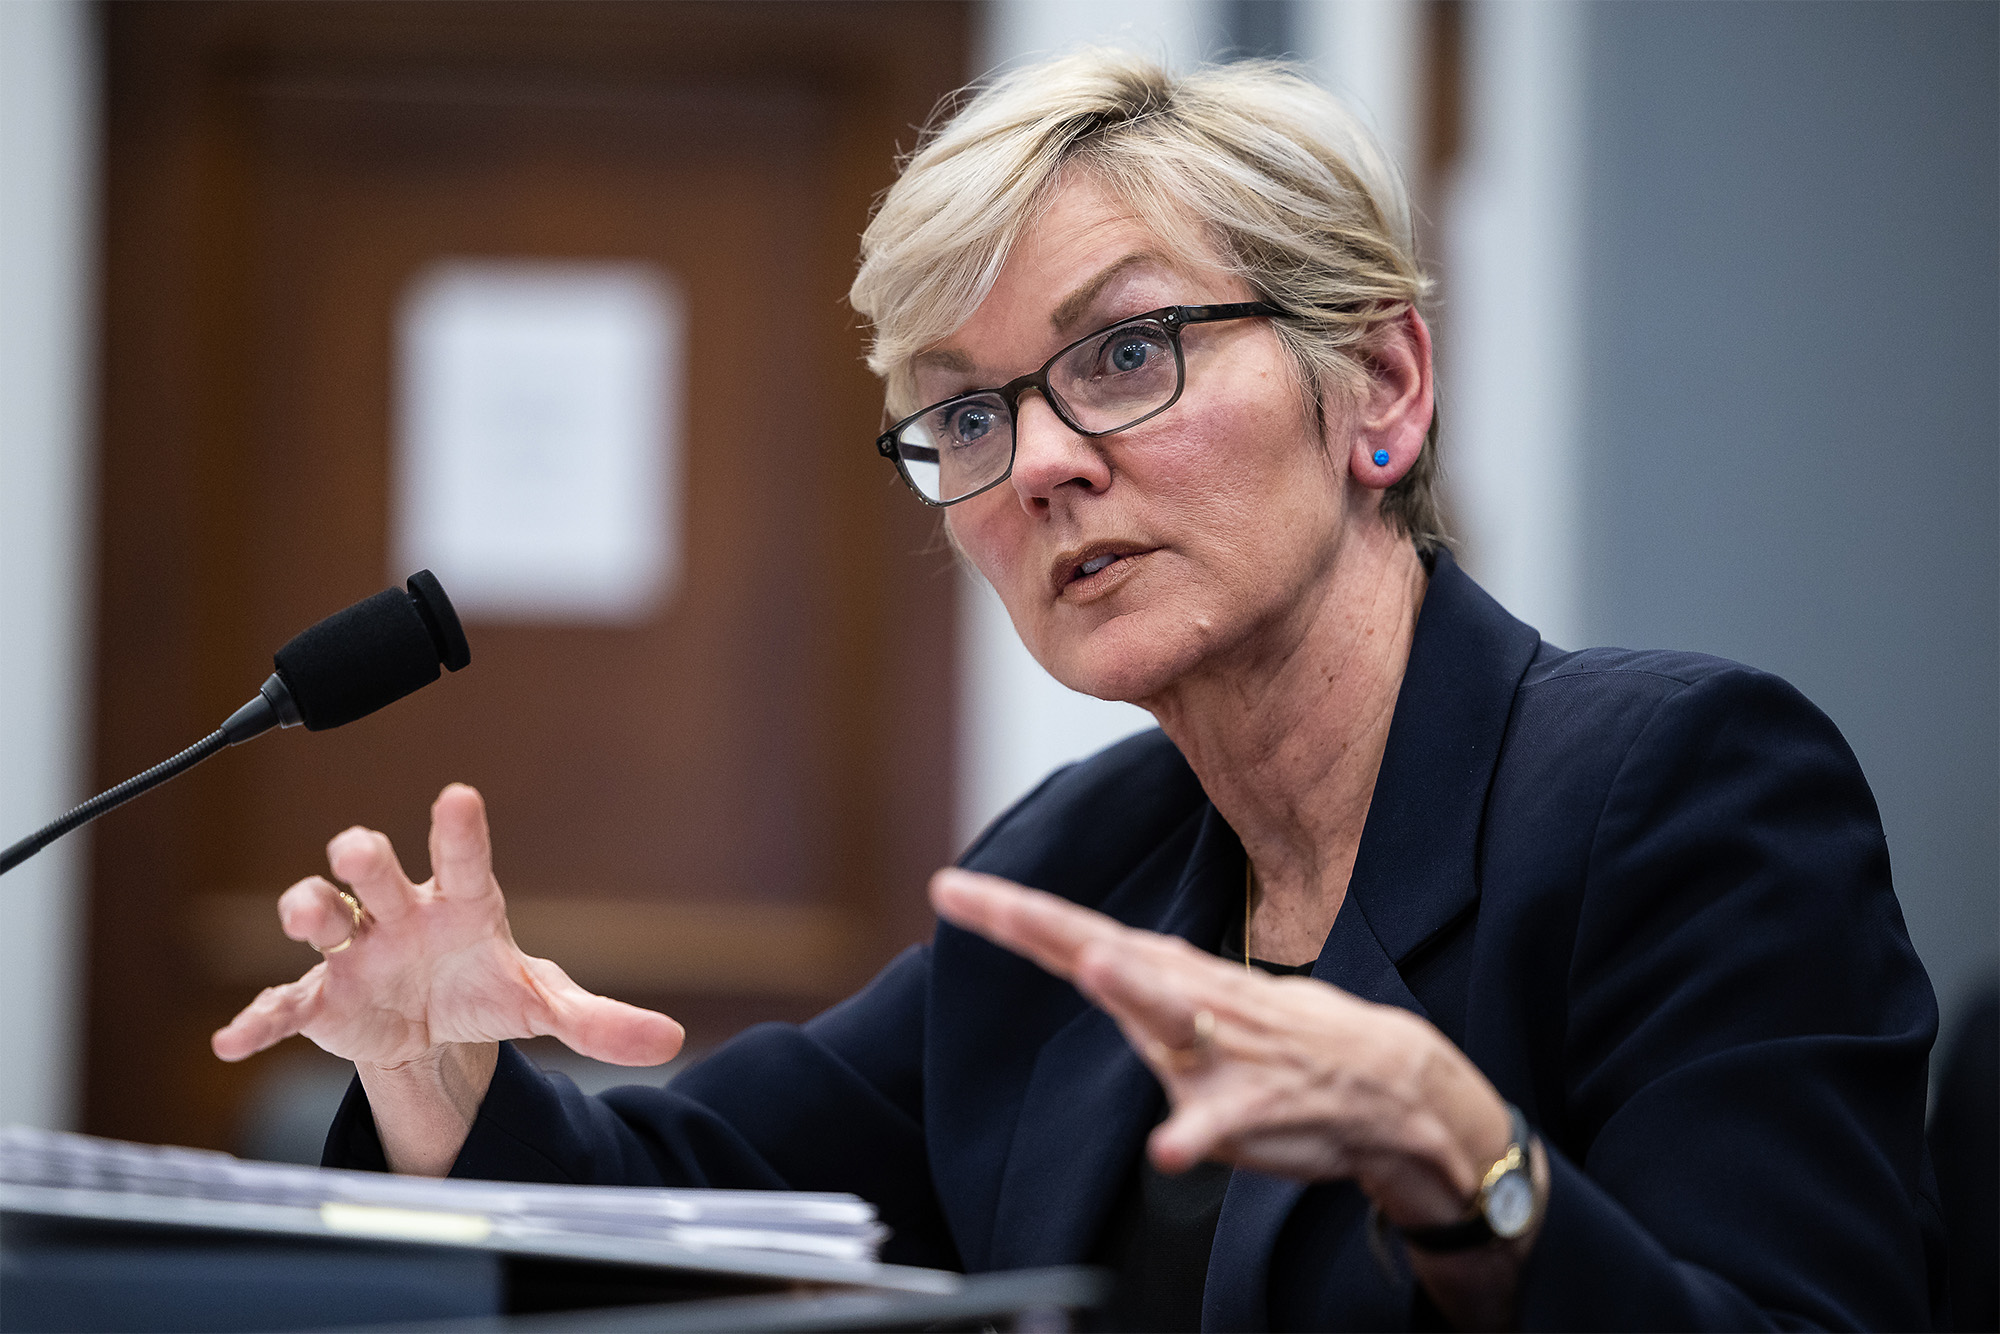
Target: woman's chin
[(1119, 664)]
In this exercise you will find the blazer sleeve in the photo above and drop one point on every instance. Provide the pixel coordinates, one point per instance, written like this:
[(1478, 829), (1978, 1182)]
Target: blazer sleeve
[(1742, 1124), (834, 1104)]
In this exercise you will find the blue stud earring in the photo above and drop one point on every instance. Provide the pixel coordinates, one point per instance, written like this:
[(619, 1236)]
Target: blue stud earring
[(1381, 458)]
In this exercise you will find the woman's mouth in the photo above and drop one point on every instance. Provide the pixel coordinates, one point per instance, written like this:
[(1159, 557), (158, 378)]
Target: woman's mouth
[(1094, 569)]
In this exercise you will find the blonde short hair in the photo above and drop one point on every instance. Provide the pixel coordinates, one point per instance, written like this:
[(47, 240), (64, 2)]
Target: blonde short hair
[(1250, 162)]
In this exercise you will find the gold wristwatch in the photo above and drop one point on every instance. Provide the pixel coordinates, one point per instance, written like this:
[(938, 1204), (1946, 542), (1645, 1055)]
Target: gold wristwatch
[(1505, 1207)]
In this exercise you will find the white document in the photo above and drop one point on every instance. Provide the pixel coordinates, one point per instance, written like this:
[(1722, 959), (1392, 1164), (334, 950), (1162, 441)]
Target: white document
[(538, 464), (828, 1237)]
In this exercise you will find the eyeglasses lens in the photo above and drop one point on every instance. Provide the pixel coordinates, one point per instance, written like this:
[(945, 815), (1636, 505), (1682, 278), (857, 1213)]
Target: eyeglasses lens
[(1103, 384), (1113, 379), (958, 447)]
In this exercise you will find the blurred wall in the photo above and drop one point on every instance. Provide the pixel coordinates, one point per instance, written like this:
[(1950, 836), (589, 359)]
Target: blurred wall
[(1790, 418), (1510, 339), (1719, 373), (47, 180)]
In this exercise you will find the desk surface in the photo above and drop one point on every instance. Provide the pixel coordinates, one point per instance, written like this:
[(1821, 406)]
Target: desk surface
[(75, 1273), (1039, 1299), (278, 1220)]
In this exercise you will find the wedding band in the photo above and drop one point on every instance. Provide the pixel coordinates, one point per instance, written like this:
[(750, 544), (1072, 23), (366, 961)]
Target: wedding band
[(1195, 1054), (355, 910)]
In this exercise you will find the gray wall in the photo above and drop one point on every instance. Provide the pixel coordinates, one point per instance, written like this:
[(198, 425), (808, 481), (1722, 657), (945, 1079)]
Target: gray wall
[(48, 151), (1792, 416)]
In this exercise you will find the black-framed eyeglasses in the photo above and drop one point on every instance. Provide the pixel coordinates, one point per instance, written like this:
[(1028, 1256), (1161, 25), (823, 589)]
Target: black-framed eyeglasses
[(1103, 383)]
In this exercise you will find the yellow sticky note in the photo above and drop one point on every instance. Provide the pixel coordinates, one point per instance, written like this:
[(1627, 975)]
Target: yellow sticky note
[(374, 1220)]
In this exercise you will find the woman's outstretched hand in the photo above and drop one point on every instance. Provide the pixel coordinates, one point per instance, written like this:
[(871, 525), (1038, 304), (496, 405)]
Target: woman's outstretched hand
[(1283, 1075), (431, 980)]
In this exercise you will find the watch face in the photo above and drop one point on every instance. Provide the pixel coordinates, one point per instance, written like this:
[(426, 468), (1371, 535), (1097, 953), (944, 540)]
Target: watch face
[(1510, 1205)]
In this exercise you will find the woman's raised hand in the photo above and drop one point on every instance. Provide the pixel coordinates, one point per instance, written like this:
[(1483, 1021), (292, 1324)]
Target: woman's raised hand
[(1283, 1075), (430, 965)]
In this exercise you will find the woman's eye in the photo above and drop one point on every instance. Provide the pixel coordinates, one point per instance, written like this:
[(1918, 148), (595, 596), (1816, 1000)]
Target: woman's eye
[(969, 423), (1127, 352)]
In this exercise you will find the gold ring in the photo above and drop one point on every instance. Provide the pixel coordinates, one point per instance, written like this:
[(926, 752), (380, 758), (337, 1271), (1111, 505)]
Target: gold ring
[(1195, 1054), (356, 911)]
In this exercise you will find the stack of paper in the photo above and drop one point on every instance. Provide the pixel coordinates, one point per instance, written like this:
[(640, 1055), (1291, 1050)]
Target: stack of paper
[(107, 1178)]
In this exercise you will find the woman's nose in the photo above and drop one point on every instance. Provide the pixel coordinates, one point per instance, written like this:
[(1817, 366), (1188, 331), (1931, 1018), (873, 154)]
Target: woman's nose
[(1049, 456)]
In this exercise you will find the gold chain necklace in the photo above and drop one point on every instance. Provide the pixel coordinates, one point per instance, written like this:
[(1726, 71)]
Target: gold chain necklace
[(1249, 896)]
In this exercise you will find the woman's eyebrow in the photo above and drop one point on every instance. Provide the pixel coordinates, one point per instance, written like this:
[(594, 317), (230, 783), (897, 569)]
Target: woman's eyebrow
[(1077, 304), (1065, 316)]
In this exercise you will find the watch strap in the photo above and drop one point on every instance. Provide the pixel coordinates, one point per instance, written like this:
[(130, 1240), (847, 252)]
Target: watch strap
[(1473, 1230), (1447, 1238)]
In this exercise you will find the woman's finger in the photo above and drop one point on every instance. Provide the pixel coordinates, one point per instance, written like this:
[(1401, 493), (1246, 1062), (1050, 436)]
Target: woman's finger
[(313, 911), (1195, 1131), (1153, 985), (366, 862), (601, 1028), (276, 1014), (461, 844), (1158, 984), (1181, 1055), (1046, 929)]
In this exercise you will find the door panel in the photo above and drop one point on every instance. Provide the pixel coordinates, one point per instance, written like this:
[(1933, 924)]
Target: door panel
[(725, 809)]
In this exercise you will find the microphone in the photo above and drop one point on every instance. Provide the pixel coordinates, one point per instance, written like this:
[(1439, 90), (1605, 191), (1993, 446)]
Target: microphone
[(345, 667)]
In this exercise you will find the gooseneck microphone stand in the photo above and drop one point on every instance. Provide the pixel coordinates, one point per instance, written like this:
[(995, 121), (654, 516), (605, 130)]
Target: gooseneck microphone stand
[(273, 706), (342, 668)]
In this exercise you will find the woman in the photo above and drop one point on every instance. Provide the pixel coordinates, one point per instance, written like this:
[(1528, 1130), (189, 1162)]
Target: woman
[(1602, 1012)]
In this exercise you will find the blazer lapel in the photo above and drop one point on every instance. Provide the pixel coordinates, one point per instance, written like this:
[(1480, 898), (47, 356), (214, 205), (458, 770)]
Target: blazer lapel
[(1414, 872), (1256, 1205), (1413, 875), (1089, 1104), (1090, 1100)]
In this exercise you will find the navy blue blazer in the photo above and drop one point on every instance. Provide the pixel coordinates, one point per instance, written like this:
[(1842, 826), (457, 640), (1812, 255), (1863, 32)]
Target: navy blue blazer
[(1647, 893)]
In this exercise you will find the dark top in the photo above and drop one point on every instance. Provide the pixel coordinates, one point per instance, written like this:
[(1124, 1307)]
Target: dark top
[(1162, 1228), (1647, 893)]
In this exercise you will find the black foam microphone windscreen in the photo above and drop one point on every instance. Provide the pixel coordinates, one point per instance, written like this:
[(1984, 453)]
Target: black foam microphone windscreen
[(349, 665), (372, 654)]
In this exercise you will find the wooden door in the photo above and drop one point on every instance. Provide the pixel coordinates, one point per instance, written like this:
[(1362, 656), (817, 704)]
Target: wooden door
[(725, 809)]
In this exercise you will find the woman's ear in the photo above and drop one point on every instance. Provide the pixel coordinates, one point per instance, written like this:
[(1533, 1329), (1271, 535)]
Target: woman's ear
[(1393, 414)]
